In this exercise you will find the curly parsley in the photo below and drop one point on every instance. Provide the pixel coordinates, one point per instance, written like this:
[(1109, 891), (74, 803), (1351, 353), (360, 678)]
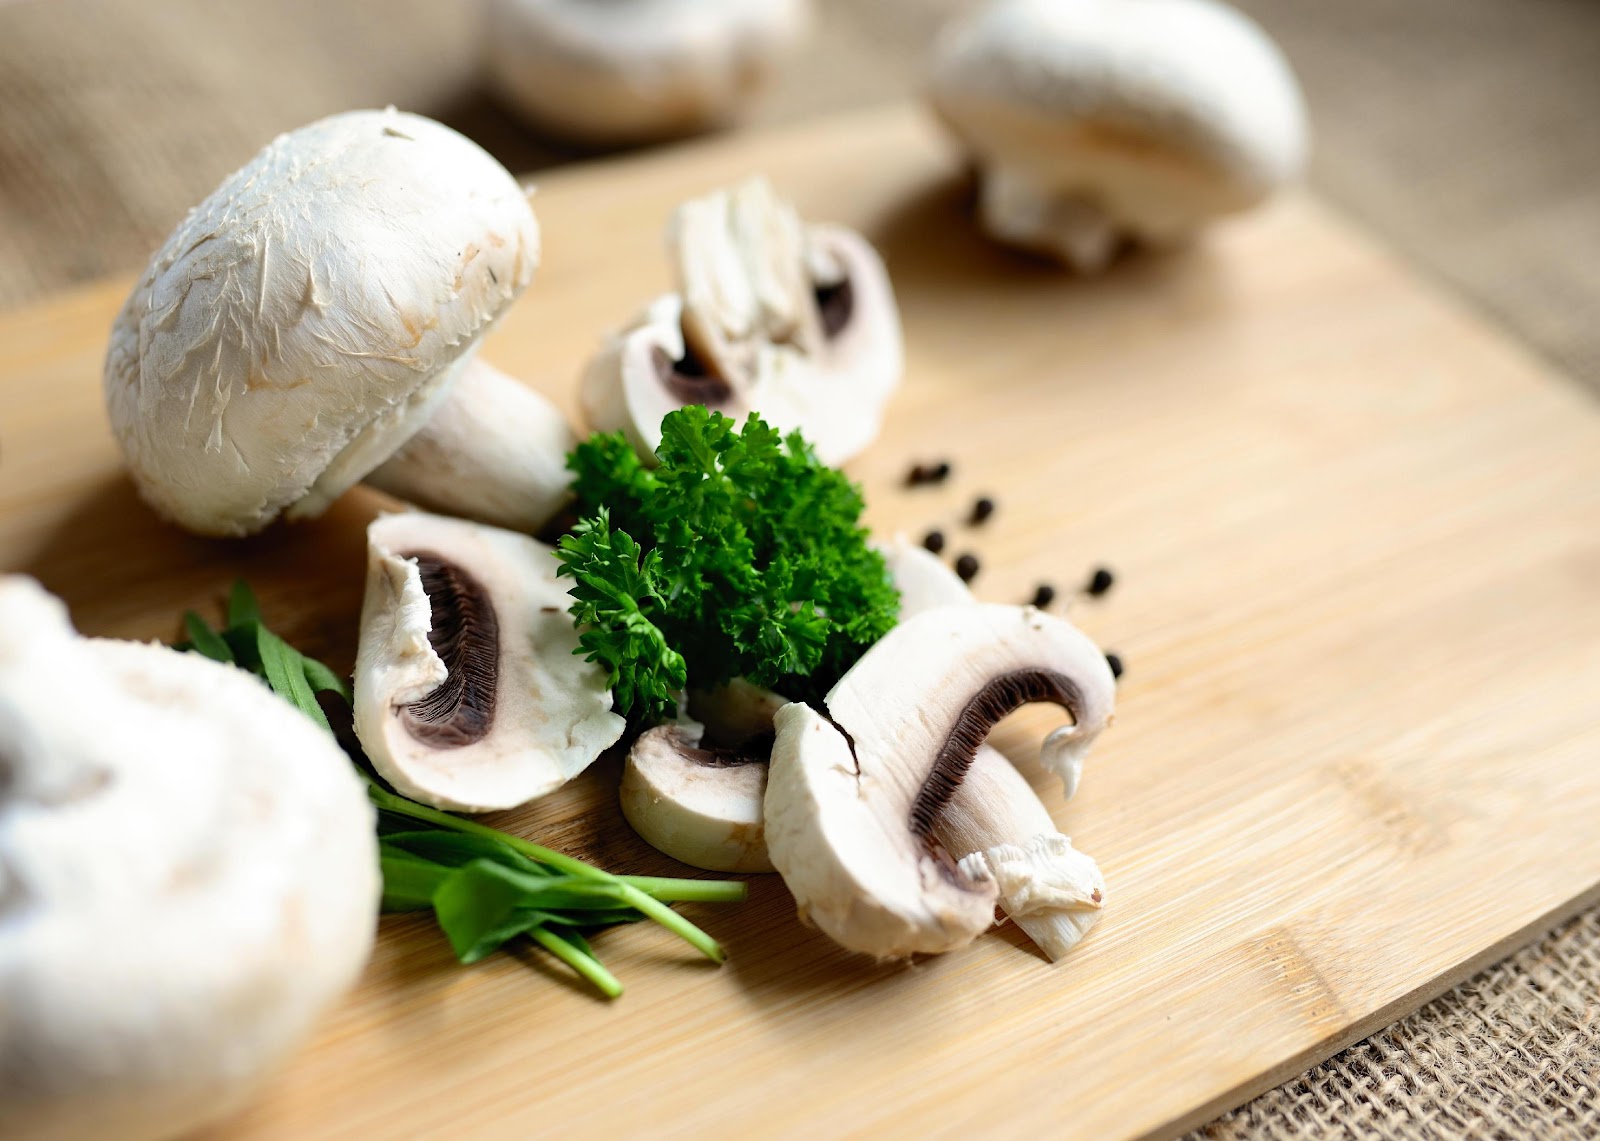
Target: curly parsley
[(740, 555)]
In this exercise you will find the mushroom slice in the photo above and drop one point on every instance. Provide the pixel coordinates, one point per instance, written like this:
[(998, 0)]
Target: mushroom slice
[(188, 880), (854, 798), (796, 323), (468, 694), (634, 70), (698, 805), (1103, 119), (313, 314)]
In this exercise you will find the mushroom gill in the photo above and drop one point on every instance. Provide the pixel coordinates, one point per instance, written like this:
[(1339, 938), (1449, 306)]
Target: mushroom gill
[(466, 635), (836, 304), (689, 379), (1003, 695)]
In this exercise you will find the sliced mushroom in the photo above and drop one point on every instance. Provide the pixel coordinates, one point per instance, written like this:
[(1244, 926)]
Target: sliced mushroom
[(188, 880), (1104, 119), (854, 799), (468, 695), (628, 71), (315, 313), (698, 805), (797, 323)]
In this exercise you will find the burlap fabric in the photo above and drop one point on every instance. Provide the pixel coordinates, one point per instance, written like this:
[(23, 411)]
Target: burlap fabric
[(1464, 131)]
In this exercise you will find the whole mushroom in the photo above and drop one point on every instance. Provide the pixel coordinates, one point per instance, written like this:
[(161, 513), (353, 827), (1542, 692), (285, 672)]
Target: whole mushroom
[(314, 322), (1096, 121), (796, 322), (188, 879), (468, 693), (627, 71)]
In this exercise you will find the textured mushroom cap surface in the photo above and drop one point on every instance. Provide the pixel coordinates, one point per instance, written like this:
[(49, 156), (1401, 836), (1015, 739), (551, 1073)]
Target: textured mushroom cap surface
[(1162, 111), (303, 320), (188, 877), (700, 806), (468, 695), (795, 322), (630, 70)]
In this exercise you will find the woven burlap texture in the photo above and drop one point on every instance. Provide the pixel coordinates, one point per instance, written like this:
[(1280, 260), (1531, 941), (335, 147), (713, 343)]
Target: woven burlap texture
[(1462, 130)]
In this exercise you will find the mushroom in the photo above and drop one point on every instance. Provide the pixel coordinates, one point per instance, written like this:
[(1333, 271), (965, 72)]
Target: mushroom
[(855, 798), (1100, 120), (320, 309), (468, 693), (698, 805), (629, 71), (188, 880), (795, 322)]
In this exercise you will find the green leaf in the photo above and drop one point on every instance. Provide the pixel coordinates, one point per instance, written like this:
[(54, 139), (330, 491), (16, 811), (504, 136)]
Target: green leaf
[(482, 904), (409, 883), (455, 849), (204, 640), (242, 605)]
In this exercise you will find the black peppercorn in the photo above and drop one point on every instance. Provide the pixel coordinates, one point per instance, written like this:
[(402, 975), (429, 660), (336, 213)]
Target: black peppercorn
[(1044, 596), (934, 541), (1115, 662), (967, 567), (940, 472), (928, 473), (1101, 581), (981, 510)]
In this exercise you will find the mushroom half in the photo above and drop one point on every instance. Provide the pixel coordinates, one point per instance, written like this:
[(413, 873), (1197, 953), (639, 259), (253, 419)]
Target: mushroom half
[(628, 71), (188, 880), (468, 693), (320, 309), (1100, 120), (855, 798), (794, 322)]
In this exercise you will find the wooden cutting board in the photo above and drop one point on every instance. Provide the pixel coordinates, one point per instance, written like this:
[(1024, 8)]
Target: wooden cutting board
[(1357, 537)]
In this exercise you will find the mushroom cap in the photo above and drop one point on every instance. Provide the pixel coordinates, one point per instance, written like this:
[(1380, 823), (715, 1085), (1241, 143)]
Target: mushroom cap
[(188, 878), (700, 806), (854, 799), (468, 693), (303, 321), (632, 70), (1161, 112), (795, 322)]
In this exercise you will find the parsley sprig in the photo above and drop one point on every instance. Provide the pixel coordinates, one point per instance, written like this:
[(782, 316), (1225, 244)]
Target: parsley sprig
[(485, 887), (740, 555)]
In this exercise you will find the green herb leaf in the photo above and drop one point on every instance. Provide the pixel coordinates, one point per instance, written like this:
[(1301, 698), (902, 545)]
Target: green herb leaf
[(739, 555), (204, 640)]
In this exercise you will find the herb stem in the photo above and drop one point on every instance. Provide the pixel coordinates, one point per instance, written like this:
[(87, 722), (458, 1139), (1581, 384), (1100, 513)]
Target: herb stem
[(634, 896), (586, 965), (688, 891)]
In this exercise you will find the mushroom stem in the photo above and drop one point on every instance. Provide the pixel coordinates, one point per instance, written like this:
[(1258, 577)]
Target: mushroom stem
[(1021, 212), (494, 450), (998, 826)]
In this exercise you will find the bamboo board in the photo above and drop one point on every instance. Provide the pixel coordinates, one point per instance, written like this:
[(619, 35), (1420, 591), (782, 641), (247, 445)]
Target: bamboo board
[(1358, 541)]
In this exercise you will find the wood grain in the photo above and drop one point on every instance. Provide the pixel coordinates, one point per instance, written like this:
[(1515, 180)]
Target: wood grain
[(1358, 545)]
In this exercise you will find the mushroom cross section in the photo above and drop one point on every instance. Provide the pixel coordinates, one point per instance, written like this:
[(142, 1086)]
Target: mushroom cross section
[(795, 322), (854, 798), (468, 694), (320, 309), (188, 880)]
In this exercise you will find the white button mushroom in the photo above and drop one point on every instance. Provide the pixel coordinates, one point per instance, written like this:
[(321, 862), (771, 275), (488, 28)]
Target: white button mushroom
[(1096, 120), (855, 799), (632, 70), (468, 695), (795, 322), (188, 879), (313, 314)]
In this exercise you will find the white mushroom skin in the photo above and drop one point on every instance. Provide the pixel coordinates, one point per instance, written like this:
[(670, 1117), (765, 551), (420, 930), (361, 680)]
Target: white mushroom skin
[(309, 316), (853, 799), (495, 451), (795, 322), (514, 713), (700, 806), (628, 71), (188, 879), (1099, 120)]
